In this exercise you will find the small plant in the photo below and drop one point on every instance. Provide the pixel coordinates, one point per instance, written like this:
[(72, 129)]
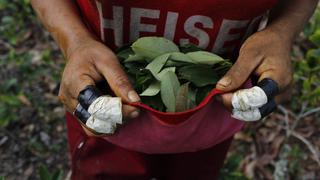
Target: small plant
[(231, 171), (45, 174), (307, 72)]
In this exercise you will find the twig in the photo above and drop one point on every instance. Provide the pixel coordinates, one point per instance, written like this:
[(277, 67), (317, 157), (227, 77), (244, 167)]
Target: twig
[(291, 132), (299, 117), (286, 118), (309, 145), (303, 108), (308, 113)]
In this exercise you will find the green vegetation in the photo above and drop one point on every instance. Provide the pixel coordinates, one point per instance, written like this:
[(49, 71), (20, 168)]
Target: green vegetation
[(168, 79), (45, 174), (307, 72)]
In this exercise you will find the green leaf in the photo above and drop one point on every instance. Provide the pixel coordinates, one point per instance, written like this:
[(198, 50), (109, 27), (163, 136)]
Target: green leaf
[(189, 48), (182, 97), (192, 97), (133, 68), (143, 79), (152, 47), (135, 57), (180, 57), (202, 93), (44, 173), (124, 52), (164, 71), (11, 100), (315, 37), (222, 68), (152, 90), (199, 75), (169, 88), (205, 58), (154, 102), (157, 64), (58, 175), (171, 63)]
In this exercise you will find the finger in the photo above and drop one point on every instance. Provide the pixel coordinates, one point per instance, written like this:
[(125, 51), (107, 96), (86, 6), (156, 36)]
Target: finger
[(240, 71), (250, 115), (255, 114), (129, 112), (88, 95), (279, 70), (225, 99), (70, 88), (285, 95), (87, 131), (246, 99), (77, 83), (69, 103), (282, 83), (118, 80), (252, 98), (268, 108), (270, 87), (107, 113), (82, 114)]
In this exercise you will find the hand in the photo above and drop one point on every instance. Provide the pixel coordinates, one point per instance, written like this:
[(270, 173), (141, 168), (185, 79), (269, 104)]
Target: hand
[(91, 62), (265, 54)]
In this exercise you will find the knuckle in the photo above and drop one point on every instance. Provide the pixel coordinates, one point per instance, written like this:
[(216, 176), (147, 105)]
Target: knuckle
[(122, 82), (62, 97)]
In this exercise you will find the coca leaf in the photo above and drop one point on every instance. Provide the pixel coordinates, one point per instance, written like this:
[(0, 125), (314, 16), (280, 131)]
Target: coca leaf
[(152, 47), (198, 75), (169, 89)]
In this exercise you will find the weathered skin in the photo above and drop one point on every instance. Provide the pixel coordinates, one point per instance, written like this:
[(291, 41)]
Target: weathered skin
[(266, 53), (88, 60)]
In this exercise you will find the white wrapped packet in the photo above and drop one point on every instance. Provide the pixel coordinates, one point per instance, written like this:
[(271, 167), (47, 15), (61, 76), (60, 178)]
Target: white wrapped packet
[(246, 103), (106, 113)]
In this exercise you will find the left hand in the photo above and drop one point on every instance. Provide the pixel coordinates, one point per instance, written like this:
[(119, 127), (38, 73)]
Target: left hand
[(265, 54)]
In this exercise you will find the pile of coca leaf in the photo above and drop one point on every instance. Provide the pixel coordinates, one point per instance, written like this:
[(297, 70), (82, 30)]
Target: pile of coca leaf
[(171, 78)]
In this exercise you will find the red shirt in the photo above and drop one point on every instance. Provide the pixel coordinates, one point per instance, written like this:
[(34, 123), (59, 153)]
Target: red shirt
[(215, 25)]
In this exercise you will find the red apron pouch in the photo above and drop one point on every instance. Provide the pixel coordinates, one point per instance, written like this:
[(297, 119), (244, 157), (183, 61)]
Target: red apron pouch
[(177, 117), (196, 129)]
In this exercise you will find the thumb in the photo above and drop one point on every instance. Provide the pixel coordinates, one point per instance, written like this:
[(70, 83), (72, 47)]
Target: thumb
[(118, 80), (239, 72)]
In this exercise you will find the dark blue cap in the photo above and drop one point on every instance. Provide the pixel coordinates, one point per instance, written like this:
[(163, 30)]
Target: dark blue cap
[(270, 87), (82, 114), (88, 95), (268, 108)]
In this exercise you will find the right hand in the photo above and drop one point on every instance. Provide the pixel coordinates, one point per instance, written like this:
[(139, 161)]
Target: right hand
[(91, 62)]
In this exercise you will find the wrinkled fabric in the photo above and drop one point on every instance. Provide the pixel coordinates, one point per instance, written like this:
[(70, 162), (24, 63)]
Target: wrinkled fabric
[(197, 129), (94, 158)]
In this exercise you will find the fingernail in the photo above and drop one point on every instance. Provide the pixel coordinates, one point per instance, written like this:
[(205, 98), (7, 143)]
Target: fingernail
[(134, 114), (226, 81), (133, 96)]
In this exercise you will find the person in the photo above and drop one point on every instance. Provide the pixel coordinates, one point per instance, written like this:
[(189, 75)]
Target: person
[(89, 31)]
